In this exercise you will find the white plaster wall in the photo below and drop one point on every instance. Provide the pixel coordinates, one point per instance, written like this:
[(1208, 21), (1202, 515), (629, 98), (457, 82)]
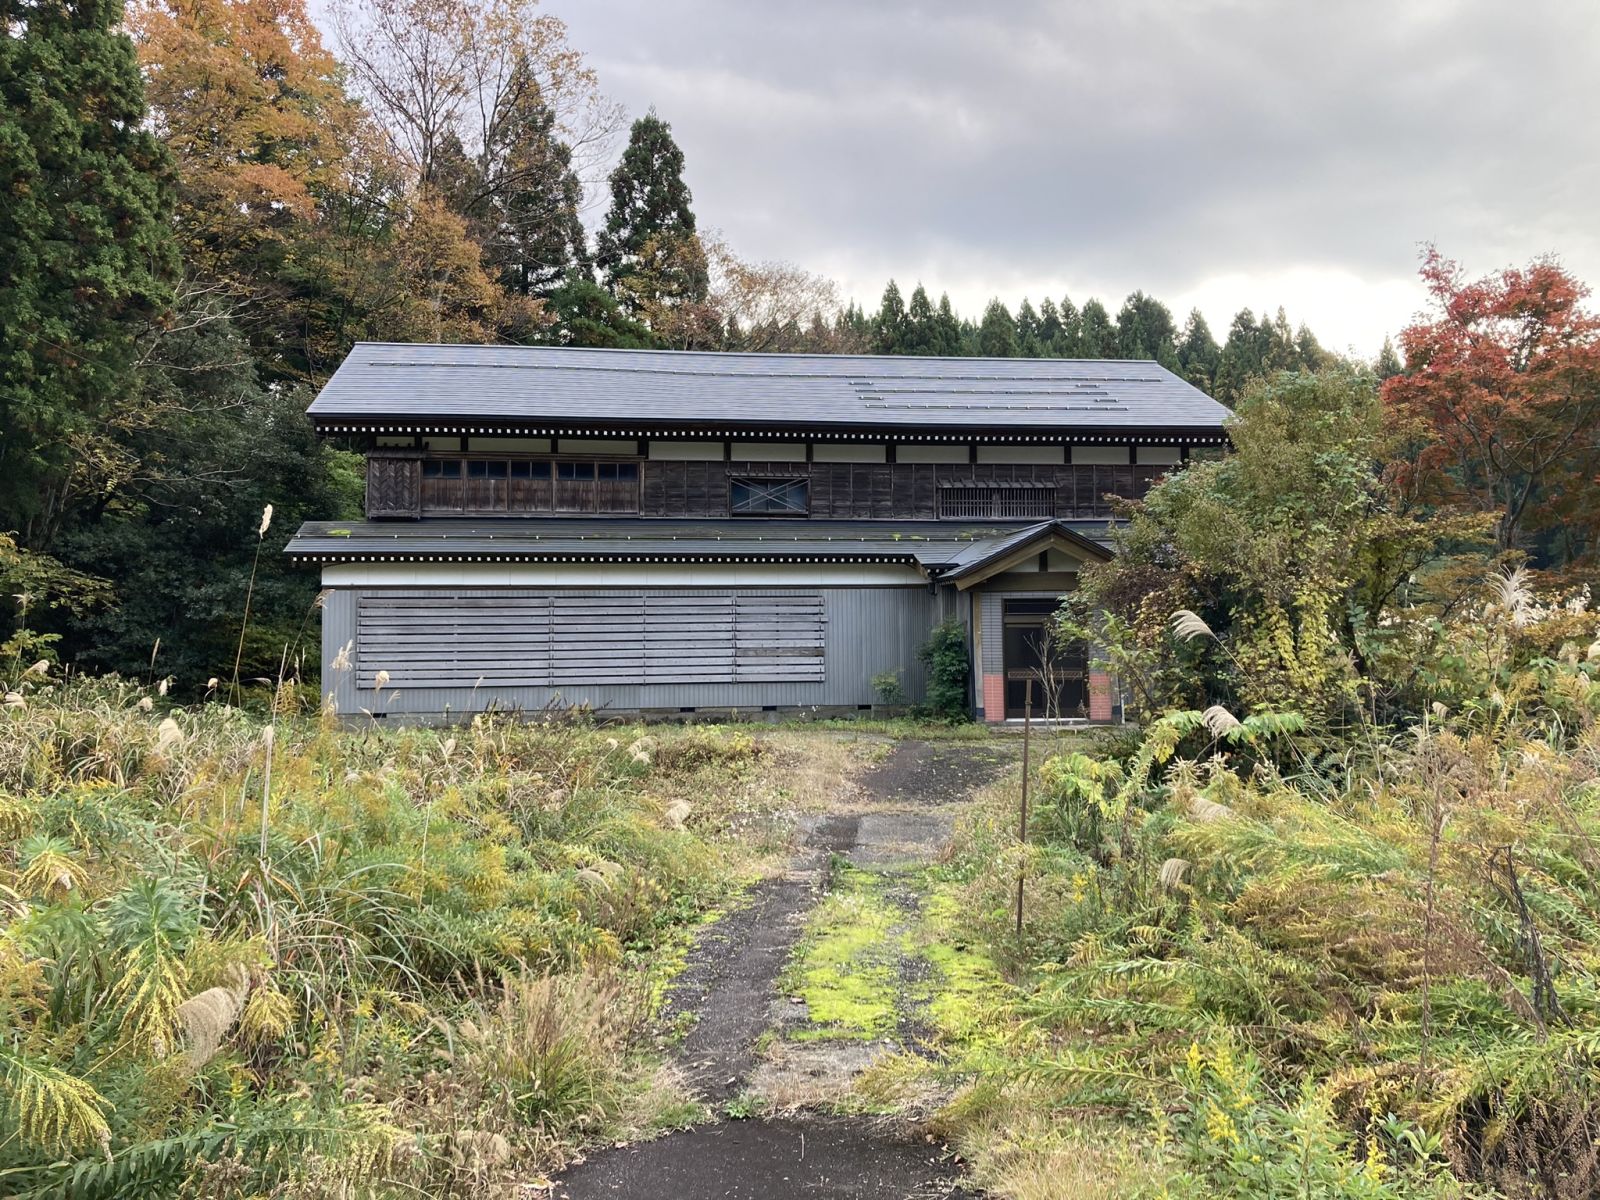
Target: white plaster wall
[(768, 452), (848, 452), (686, 451), (1106, 456), (596, 446), (932, 454), (1021, 454), (522, 445)]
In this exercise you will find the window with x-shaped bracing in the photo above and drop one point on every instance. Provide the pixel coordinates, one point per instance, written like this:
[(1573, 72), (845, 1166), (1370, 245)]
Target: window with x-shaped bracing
[(768, 497)]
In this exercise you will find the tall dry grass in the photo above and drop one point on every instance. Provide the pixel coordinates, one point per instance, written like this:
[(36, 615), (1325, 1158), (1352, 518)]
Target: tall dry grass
[(235, 961)]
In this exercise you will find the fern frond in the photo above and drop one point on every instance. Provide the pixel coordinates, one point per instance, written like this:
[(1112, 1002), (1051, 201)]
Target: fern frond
[(49, 1108), (150, 923), (150, 1168), (49, 869), (1081, 1071)]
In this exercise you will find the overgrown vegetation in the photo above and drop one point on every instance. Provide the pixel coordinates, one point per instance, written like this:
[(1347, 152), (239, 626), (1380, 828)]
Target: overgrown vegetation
[(1329, 924), (1374, 976), (244, 956)]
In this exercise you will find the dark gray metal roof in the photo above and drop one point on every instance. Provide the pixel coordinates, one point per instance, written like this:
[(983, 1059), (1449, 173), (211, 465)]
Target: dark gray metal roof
[(978, 554), (641, 390), (932, 545)]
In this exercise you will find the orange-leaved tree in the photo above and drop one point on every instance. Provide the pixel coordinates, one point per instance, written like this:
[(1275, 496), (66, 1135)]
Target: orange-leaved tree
[(249, 102), (297, 219), (1499, 404)]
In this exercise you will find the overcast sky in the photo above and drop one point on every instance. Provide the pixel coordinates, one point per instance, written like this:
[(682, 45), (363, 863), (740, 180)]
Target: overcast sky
[(1217, 153)]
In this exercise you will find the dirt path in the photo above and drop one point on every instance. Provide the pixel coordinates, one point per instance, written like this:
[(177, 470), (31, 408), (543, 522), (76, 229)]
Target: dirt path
[(819, 975)]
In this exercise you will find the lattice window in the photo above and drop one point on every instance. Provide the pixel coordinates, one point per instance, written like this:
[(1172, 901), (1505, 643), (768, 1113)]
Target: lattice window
[(523, 485), (996, 502)]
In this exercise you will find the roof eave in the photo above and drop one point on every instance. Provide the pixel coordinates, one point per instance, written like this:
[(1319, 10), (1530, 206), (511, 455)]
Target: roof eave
[(394, 423), (317, 555)]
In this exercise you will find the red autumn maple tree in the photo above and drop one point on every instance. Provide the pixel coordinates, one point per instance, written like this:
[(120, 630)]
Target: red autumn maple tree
[(1500, 401)]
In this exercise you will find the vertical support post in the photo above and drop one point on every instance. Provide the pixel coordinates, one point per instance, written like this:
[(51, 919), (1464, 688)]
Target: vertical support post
[(1022, 832)]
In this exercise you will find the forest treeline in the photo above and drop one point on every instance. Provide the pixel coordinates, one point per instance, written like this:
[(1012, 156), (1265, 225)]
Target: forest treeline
[(207, 203)]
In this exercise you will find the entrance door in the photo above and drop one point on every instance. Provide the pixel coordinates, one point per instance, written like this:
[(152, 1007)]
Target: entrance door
[(1032, 652)]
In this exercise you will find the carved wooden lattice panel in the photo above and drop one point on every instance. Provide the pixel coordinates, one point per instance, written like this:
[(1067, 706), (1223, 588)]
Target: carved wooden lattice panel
[(394, 486)]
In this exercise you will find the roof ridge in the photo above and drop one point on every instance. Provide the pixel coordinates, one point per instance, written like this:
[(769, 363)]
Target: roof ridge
[(762, 354)]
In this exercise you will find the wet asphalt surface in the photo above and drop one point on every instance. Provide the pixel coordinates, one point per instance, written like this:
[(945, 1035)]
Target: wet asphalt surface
[(729, 983)]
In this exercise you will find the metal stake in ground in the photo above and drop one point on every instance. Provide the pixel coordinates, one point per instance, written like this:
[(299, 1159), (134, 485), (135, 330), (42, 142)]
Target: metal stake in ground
[(1022, 834)]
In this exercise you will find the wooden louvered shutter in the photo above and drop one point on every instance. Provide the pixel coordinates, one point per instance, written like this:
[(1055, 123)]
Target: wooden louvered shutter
[(508, 639), (485, 638), (780, 638)]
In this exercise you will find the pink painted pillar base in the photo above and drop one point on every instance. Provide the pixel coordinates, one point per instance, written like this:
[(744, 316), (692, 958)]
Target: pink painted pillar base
[(994, 698), (1099, 696)]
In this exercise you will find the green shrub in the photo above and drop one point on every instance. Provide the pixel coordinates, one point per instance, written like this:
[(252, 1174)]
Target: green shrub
[(889, 689), (945, 656)]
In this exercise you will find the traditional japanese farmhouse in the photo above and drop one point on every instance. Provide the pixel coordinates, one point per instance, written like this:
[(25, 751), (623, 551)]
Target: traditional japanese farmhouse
[(670, 532)]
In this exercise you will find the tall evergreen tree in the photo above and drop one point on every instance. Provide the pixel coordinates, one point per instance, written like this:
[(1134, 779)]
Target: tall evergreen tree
[(1050, 329), (521, 197), (86, 250), (645, 247), (1145, 329), (1070, 343), (889, 327), (585, 314), (949, 333), (1198, 352), (1388, 364), (1310, 352), (1284, 352), (852, 331), (1097, 336), (1027, 330), (997, 335), (1249, 351), (921, 336), (1240, 357)]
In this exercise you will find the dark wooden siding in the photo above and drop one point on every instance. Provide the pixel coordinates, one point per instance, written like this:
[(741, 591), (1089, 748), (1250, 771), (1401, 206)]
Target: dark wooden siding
[(898, 491), (850, 491)]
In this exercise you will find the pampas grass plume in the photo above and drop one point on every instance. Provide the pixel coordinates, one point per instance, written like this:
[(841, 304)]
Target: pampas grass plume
[(1220, 721), (1189, 625)]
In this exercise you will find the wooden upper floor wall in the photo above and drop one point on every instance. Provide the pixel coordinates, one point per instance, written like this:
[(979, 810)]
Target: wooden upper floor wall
[(416, 477)]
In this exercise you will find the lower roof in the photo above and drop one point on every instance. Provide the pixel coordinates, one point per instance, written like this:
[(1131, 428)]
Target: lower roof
[(934, 546)]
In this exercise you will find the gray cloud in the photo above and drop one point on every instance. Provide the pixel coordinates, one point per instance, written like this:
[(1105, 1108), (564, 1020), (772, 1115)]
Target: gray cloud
[(1220, 153)]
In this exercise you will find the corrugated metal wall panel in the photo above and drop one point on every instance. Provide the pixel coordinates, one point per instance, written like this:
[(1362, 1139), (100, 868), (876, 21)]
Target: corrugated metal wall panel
[(865, 631)]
